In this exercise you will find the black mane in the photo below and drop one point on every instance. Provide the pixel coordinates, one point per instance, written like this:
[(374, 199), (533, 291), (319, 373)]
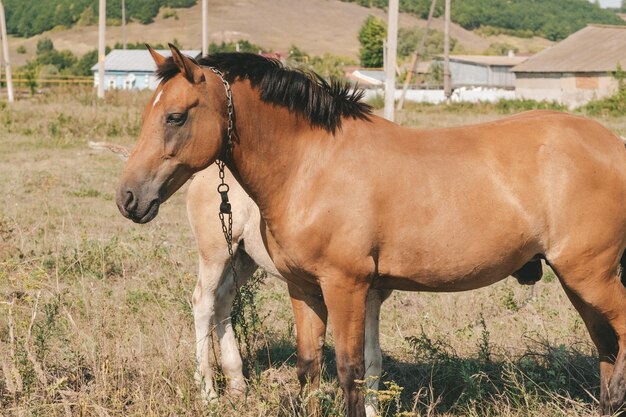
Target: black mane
[(307, 93)]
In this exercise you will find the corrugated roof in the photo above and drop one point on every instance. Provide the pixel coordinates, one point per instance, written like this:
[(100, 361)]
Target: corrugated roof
[(596, 48), (138, 60), (501, 61), (378, 77)]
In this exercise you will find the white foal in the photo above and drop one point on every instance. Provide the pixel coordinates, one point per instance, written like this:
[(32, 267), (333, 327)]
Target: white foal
[(215, 291)]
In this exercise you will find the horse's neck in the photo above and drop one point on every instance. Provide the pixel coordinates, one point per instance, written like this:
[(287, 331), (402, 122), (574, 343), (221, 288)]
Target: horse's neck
[(269, 145)]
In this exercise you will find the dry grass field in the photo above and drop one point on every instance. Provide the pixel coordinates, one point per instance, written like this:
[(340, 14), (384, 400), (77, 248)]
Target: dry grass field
[(95, 311)]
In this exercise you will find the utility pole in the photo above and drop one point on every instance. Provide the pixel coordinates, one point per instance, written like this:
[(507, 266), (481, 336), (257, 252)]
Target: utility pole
[(419, 53), (205, 27), (123, 24), (5, 49), (390, 70), (447, 81), (102, 17)]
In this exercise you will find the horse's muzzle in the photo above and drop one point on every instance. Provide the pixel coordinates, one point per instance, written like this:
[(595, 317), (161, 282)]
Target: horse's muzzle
[(134, 209)]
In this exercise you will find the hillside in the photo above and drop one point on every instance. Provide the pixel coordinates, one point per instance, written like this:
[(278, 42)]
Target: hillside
[(554, 19), (32, 17), (316, 26)]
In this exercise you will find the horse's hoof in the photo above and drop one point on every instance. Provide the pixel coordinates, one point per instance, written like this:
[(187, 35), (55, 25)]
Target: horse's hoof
[(370, 411), (209, 397), (237, 388), (612, 408)]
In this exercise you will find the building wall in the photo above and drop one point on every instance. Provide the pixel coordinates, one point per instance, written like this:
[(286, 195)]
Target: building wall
[(469, 74), (127, 80), (500, 76), (464, 94), (571, 89)]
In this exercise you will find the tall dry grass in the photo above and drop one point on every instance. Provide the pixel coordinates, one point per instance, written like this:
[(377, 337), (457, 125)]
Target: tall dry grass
[(95, 313)]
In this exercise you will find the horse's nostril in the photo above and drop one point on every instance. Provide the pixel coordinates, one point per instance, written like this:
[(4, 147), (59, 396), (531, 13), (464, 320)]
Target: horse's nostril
[(131, 202)]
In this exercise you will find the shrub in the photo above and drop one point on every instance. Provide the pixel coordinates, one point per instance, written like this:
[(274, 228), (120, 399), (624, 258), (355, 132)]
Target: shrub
[(410, 38), (500, 48), (614, 105), (371, 37), (516, 106)]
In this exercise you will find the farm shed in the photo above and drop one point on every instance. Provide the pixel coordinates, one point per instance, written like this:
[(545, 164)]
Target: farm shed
[(483, 70), (132, 69), (577, 69)]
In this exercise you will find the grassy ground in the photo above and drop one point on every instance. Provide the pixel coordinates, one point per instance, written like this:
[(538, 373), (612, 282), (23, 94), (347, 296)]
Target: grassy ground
[(95, 313)]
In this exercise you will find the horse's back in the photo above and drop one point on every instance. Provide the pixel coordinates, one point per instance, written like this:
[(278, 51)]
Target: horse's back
[(463, 207)]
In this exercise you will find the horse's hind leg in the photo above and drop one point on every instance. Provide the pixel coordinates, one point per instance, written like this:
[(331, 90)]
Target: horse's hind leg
[(601, 302), (232, 365)]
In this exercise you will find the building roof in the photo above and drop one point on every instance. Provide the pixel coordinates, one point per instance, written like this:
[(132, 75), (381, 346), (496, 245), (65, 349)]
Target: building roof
[(373, 77), (596, 48), (138, 60), (369, 77), (490, 60)]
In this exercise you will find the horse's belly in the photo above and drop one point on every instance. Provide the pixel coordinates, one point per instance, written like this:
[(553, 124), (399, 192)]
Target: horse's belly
[(456, 265), (448, 282)]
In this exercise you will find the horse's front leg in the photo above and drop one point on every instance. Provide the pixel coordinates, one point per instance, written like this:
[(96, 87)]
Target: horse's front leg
[(345, 299), (310, 314)]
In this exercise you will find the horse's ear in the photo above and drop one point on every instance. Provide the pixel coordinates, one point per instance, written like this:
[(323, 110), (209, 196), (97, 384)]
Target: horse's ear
[(158, 58), (187, 66)]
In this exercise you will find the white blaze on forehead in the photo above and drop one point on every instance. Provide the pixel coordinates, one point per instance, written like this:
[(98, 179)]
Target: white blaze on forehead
[(158, 97)]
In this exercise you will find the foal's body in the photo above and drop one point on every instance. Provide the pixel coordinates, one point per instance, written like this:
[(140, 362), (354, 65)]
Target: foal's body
[(353, 202), (215, 290)]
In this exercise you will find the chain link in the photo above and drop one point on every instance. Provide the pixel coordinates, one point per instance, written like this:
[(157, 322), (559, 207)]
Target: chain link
[(226, 214)]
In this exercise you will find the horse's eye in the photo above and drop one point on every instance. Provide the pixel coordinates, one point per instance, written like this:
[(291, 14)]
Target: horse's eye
[(176, 119)]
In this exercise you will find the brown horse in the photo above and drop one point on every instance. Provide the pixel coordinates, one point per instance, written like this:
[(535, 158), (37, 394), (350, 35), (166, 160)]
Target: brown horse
[(351, 201)]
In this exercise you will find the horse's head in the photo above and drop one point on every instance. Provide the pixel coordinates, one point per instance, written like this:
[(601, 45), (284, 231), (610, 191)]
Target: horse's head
[(182, 133)]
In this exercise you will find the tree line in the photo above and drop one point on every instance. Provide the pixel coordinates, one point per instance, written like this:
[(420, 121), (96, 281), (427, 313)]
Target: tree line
[(30, 17), (553, 19)]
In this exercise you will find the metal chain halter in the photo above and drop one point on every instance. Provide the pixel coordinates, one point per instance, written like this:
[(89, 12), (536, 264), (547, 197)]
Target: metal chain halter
[(222, 188), (226, 217)]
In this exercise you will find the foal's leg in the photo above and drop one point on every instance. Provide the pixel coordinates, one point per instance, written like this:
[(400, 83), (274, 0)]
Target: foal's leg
[(310, 314), (210, 276), (373, 355), (211, 304), (345, 299), (601, 301), (231, 359)]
